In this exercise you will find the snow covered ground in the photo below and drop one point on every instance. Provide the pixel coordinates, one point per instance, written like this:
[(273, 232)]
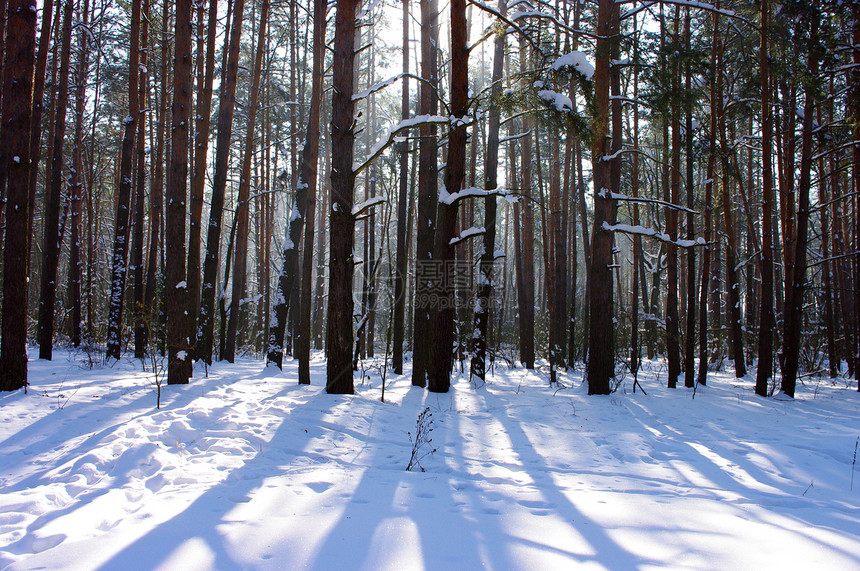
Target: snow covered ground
[(247, 470)]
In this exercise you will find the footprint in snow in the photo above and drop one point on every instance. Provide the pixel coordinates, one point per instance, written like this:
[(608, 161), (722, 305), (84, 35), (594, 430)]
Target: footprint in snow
[(319, 487)]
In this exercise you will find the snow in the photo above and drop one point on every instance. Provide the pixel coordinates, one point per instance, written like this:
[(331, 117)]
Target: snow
[(369, 203), (246, 469), (577, 61), (466, 234), (560, 101)]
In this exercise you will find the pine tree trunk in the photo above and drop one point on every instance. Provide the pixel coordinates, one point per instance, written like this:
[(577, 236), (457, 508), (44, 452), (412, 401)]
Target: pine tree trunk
[(402, 201), (339, 335), (427, 191), (442, 314), (485, 280), (140, 317), (14, 161), (179, 339), (673, 348), (240, 255), (120, 247), (51, 243), (794, 292), (601, 346), (766, 320), (310, 160), (205, 78), (227, 98), (76, 179), (156, 188), (716, 110)]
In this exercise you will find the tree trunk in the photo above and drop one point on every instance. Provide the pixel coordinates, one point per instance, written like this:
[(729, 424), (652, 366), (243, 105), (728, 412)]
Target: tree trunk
[(310, 160), (673, 348), (140, 317), (601, 345), (51, 244), (716, 110), (485, 281), (339, 336), (795, 290), (401, 262), (76, 179), (14, 160), (205, 77), (240, 254), (227, 97), (179, 338), (766, 321), (427, 191), (442, 314), (120, 247)]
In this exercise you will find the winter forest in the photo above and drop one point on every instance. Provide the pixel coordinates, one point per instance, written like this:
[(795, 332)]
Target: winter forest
[(548, 198)]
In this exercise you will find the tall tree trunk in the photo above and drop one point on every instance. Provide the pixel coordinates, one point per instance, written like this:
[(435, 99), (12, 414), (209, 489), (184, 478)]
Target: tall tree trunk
[(76, 178), (635, 352), (427, 191), (442, 314), (795, 289), (716, 110), (227, 98), (205, 78), (601, 340), (526, 291), (120, 247), (673, 331), (14, 160), (156, 188), (240, 254), (690, 329), (402, 201), (51, 243), (179, 338), (766, 321), (38, 108), (339, 336), (140, 317), (310, 160), (485, 281)]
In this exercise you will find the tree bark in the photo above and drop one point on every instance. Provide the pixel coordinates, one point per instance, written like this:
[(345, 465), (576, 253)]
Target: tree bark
[(310, 160), (205, 78), (339, 335), (795, 289), (427, 191), (206, 316), (442, 314), (76, 179), (601, 346), (240, 254), (179, 338), (402, 200), (766, 320), (485, 281), (51, 243), (14, 160), (120, 247)]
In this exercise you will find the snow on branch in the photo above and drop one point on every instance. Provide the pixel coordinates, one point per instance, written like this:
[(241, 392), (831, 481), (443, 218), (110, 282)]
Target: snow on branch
[(367, 205), (446, 197), (651, 233), (690, 3), (466, 234), (576, 60), (376, 87), (389, 136), (624, 198)]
